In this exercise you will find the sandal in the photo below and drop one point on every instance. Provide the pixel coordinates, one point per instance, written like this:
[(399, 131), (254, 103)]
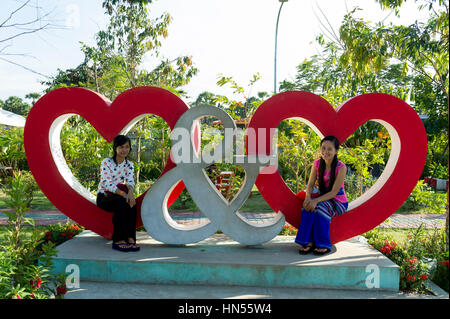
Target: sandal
[(134, 246), (306, 249), (124, 247), (319, 251)]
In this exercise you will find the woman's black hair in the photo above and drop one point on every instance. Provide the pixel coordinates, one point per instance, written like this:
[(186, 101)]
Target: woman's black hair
[(120, 140), (322, 166)]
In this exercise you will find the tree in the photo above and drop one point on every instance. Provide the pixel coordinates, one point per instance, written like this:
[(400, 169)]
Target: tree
[(207, 98), (297, 150), (13, 28), (114, 64), (422, 47), (71, 77), (131, 33), (247, 105), (323, 75), (16, 105), (12, 150), (33, 96)]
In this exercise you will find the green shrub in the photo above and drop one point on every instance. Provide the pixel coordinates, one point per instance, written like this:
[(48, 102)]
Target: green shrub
[(21, 276), (425, 197), (441, 273), (59, 233), (416, 258), (288, 230), (29, 183)]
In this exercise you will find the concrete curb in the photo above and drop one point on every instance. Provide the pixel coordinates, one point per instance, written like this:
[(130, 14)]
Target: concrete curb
[(436, 290)]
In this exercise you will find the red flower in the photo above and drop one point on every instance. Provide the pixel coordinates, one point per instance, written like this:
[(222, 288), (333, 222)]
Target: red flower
[(61, 290), (410, 278), (424, 277), (387, 248), (36, 283)]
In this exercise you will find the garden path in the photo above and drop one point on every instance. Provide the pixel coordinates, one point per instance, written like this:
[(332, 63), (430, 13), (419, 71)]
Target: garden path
[(48, 217)]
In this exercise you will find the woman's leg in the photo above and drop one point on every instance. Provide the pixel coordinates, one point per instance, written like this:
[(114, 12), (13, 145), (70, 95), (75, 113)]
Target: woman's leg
[(321, 225), (121, 215), (304, 233), (324, 212), (131, 223)]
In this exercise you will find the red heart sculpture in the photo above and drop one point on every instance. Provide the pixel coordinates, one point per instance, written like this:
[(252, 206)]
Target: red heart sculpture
[(41, 136), (405, 165)]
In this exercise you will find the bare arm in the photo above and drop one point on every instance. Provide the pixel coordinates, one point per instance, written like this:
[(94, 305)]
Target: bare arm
[(310, 187), (337, 185)]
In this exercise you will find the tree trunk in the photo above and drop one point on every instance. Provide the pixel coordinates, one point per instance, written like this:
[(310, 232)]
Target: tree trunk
[(96, 78), (446, 219)]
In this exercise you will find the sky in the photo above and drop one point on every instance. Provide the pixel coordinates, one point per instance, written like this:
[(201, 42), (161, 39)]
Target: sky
[(234, 38)]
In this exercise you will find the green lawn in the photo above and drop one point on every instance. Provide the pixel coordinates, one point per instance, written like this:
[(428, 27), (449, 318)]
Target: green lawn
[(400, 235), (39, 202), (254, 203), (27, 229)]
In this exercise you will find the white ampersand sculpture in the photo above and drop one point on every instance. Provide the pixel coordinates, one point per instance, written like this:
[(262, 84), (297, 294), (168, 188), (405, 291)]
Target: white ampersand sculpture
[(190, 167)]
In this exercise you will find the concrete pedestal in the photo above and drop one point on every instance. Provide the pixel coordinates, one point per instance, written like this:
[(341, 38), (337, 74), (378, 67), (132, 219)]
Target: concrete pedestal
[(218, 260)]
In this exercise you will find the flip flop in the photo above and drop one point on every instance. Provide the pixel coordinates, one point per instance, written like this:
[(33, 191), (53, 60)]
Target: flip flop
[(124, 247), (134, 246), (319, 253), (306, 249)]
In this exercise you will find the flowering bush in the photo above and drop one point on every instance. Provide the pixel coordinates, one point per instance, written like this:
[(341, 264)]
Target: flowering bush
[(21, 275), (390, 248), (288, 230), (59, 233), (413, 273), (416, 257)]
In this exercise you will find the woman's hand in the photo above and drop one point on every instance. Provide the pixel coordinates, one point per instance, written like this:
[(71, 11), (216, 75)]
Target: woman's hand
[(310, 204), (130, 199), (306, 203)]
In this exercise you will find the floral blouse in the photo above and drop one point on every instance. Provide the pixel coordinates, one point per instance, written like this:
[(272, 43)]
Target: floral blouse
[(112, 174)]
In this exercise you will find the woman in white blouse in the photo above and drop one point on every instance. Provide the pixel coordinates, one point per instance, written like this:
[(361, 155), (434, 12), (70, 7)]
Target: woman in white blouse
[(115, 194)]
